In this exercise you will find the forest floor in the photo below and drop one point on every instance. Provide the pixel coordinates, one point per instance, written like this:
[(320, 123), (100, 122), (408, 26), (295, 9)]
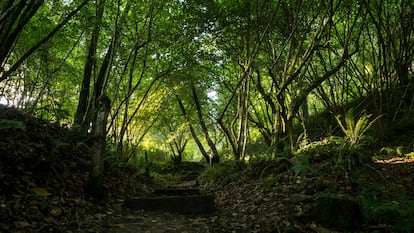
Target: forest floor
[(44, 167)]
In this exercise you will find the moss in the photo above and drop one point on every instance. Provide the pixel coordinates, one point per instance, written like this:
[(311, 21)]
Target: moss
[(386, 214), (399, 217), (336, 212)]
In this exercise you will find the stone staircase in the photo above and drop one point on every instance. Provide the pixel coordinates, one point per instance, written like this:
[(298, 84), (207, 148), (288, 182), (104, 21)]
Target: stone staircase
[(182, 197)]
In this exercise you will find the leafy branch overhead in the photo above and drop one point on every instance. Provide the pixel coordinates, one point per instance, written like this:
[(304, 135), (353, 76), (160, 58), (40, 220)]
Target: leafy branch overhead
[(211, 80)]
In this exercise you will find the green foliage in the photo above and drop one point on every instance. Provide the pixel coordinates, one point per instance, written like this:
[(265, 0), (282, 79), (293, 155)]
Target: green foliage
[(337, 212), (333, 153), (410, 154), (12, 125), (381, 208), (391, 152), (225, 40), (301, 164), (355, 130), (271, 181), (267, 170), (346, 151), (396, 215), (386, 213), (221, 174), (259, 168), (320, 150)]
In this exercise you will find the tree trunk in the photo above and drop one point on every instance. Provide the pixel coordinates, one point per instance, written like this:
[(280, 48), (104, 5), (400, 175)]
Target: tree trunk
[(89, 65), (5, 74), (192, 130), (95, 182), (244, 116), (215, 158), (14, 15)]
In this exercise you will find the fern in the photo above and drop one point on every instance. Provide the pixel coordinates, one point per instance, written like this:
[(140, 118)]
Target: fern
[(355, 131)]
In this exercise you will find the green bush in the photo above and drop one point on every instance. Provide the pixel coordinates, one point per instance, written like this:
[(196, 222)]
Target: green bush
[(385, 214), (12, 125), (334, 151)]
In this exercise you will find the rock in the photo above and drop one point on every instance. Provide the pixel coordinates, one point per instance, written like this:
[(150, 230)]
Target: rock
[(337, 212)]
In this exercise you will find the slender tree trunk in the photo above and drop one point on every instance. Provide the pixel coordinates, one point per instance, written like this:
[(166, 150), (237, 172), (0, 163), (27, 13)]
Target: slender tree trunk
[(131, 89), (244, 117), (89, 65), (215, 156), (228, 130), (192, 130), (14, 15), (101, 81), (5, 74)]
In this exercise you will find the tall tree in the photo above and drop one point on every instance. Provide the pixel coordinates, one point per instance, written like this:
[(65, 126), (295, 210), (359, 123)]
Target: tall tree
[(90, 64)]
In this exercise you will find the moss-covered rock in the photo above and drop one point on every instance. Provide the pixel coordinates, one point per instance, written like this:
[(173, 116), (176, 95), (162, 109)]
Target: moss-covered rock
[(387, 213), (338, 212)]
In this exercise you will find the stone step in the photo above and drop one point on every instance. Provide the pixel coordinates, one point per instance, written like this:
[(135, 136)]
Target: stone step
[(192, 204), (190, 184), (190, 176), (176, 192)]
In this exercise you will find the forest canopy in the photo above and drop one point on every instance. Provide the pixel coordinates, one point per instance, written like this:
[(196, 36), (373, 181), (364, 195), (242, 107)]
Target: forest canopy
[(212, 79)]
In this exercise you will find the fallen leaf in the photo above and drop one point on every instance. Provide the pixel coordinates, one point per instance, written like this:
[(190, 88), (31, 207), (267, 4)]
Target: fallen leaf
[(23, 224), (49, 219), (287, 223), (299, 197), (99, 216), (40, 191), (56, 211), (116, 225)]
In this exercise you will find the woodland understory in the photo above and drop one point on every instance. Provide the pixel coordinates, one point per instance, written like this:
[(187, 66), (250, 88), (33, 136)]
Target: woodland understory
[(44, 172)]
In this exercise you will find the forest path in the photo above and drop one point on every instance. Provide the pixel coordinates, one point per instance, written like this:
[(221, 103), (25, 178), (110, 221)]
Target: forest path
[(177, 208)]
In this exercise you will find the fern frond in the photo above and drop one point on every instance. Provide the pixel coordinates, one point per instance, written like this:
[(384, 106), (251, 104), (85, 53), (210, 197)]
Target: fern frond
[(355, 130), (374, 120), (341, 125), (362, 125), (350, 122)]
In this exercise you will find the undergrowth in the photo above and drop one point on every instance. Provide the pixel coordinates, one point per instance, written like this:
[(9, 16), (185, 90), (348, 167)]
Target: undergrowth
[(221, 174), (393, 210)]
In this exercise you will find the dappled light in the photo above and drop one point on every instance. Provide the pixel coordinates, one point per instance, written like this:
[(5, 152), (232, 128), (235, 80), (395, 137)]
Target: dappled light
[(395, 160)]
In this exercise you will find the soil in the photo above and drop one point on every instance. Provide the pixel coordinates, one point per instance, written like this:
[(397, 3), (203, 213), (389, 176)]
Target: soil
[(44, 167)]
